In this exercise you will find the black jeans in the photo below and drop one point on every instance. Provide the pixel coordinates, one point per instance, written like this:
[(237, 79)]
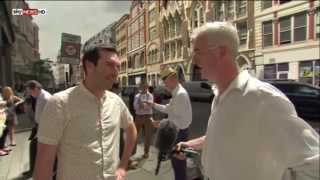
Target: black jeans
[(180, 166), (33, 147)]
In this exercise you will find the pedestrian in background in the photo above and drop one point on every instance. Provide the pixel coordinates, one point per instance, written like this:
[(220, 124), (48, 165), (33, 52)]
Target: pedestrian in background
[(35, 90), (11, 101), (179, 112), (144, 114)]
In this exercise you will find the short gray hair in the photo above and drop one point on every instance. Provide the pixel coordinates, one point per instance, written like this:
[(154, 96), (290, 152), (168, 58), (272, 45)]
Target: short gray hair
[(219, 33)]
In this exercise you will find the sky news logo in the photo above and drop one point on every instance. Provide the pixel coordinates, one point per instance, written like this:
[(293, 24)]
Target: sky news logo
[(28, 12)]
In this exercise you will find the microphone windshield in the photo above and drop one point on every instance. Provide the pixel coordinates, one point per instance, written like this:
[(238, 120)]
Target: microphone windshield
[(166, 137)]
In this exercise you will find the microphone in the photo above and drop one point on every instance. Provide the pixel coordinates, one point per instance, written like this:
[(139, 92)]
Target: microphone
[(165, 141)]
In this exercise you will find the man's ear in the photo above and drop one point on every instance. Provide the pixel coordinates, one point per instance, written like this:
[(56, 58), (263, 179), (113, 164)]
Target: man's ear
[(89, 65)]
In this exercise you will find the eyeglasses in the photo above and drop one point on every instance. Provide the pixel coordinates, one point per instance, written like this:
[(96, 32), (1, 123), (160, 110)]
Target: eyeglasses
[(199, 52)]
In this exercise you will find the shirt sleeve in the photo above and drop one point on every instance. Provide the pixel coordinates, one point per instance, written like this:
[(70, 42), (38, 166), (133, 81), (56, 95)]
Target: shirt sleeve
[(163, 108), (135, 102), (292, 144), (52, 122), (126, 116)]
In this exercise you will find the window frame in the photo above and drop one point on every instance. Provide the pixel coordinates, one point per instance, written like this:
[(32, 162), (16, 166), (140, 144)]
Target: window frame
[(264, 34), (299, 27), (289, 29), (240, 34), (263, 7), (317, 23), (239, 6)]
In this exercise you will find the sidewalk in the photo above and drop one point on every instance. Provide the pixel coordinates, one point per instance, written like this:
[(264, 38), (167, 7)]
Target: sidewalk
[(17, 162)]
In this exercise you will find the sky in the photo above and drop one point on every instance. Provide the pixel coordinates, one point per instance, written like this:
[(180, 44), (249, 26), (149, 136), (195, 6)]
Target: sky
[(84, 18)]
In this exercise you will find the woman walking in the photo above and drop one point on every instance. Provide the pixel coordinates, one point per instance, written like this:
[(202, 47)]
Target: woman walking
[(11, 118)]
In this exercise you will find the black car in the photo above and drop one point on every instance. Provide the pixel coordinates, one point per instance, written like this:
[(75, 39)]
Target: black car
[(305, 98), (199, 90)]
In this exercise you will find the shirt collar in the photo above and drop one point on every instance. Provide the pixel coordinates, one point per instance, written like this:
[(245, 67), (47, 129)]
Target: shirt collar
[(238, 83), (89, 94), (175, 90)]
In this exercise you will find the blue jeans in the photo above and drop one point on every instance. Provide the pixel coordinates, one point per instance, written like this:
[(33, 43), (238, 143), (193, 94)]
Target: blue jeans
[(180, 166)]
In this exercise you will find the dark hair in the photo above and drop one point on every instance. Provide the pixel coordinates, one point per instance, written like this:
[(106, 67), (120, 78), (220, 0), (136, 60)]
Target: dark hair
[(32, 84), (92, 55)]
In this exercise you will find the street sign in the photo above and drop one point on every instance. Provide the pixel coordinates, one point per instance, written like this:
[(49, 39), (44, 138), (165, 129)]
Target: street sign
[(70, 49)]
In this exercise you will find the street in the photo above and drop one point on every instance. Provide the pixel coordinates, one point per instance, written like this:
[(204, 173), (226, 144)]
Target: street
[(17, 162)]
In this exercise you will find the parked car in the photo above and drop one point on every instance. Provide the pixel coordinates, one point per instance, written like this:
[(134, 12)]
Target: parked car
[(199, 90), (305, 98)]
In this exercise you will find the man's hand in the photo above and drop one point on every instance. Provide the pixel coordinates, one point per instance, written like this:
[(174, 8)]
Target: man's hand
[(149, 103), (156, 124), (121, 173), (180, 155)]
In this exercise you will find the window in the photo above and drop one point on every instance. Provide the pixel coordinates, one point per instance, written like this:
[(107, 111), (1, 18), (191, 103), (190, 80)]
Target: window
[(201, 20), (219, 10), (141, 38), (152, 15), (171, 27), (318, 24), (285, 30), (267, 34), (300, 27), (152, 33), (156, 59), (166, 52), (284, 1), (197, 16), (230, 9), (173, 50), (195, 19), (242, 32), (266, 4), (141, 63), (178, 24), (166, 29), (283, 69), (153, 56), (276, 71), (241, 8), (309, 72), (179, 48), (270, 71)]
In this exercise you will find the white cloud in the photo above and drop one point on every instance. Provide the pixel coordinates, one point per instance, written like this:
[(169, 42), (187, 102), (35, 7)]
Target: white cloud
[(84, 18)]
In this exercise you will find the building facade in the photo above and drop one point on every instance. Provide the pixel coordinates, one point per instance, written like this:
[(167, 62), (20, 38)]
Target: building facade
[(287, 40), (121, 28), (175, 41), (241, 14), (136, 43), (7, 38), (25, 50), (153, 60), (18, 55), (105, 36)]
